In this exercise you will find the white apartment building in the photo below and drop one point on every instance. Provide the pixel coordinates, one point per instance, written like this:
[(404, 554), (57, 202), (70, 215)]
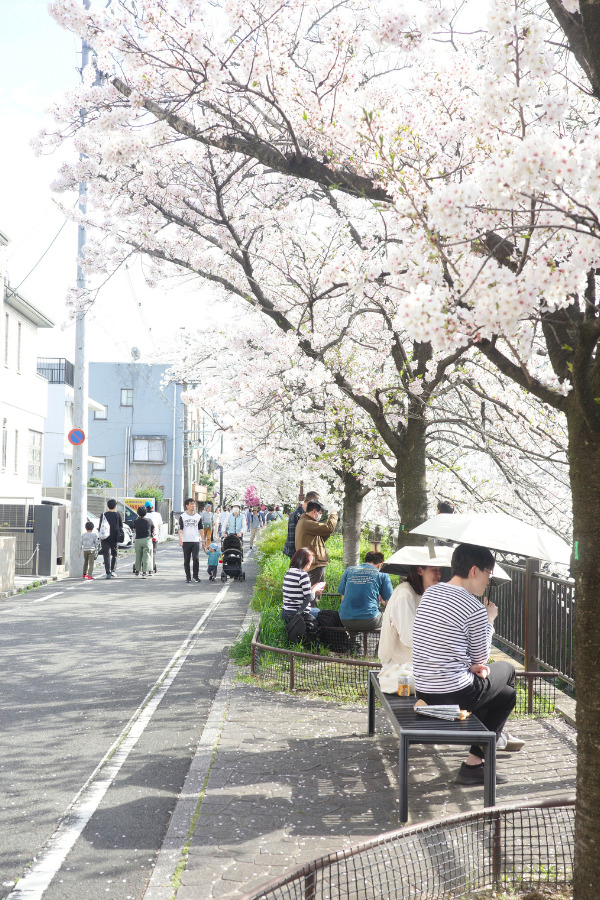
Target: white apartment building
[(23, 394)]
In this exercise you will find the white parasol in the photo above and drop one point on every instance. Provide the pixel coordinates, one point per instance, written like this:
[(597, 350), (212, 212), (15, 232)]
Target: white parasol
[(400, 561), (498, 531)]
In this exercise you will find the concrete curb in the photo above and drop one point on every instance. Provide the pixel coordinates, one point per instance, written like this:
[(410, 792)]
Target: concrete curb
[(41, 581)]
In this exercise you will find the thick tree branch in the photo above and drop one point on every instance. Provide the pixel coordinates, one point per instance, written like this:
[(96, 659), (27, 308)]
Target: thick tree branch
[(254, 148)]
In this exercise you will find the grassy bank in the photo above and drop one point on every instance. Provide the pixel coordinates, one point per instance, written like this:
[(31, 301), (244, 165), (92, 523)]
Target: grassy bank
[(267, 598)]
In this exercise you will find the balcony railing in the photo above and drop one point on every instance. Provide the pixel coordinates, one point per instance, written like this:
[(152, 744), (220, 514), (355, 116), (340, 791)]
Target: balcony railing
[(56, 371)]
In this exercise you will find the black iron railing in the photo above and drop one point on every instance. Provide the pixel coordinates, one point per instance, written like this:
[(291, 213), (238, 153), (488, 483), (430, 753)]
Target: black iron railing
[(56, 371), (536, 617)]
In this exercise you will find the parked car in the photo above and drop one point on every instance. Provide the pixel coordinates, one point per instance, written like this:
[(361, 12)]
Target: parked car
[(95, 520)]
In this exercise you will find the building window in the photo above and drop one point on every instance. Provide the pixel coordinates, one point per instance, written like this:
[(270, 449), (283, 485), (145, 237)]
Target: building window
[(34, 456), (19, 335), (4, 443), (6, 336), (126, 396), (16, 452), (149, 449), (99, 464), (103, 413)]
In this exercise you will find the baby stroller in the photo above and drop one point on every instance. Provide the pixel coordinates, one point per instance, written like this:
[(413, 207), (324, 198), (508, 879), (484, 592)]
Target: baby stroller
[(233, 557)]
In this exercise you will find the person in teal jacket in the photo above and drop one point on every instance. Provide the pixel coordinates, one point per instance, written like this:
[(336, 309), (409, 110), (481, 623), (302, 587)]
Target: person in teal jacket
[(213, 561)]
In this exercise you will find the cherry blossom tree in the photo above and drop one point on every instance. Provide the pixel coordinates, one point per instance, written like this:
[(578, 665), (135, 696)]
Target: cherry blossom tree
[(390, 190)]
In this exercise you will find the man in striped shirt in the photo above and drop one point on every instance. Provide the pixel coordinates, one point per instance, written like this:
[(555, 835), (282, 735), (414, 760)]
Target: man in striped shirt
[(452, 637)]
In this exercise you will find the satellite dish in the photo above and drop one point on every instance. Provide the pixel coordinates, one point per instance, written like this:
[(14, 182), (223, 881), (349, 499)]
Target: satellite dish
[(135, 354)]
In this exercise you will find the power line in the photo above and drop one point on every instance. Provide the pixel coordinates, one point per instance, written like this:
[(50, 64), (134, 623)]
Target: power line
[(13, 291)]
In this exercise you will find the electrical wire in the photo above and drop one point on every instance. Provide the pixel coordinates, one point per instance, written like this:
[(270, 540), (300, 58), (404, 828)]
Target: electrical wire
[(13, 291)]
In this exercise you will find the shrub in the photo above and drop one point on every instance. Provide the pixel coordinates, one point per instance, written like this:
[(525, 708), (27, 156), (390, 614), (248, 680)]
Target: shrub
[(150, 490)]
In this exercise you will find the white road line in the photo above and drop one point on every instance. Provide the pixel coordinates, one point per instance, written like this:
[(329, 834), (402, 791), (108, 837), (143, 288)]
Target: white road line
[(48, 597), (160, 886), (51, 857)]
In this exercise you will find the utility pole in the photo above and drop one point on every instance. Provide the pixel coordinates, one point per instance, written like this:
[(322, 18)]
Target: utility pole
[(186, 452), (80, 386)]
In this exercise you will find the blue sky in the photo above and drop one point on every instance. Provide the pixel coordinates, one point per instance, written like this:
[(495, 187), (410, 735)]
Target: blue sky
[(38, 62)]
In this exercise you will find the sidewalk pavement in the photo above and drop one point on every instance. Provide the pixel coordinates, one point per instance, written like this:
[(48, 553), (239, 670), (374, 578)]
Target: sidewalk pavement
[(280, 779)]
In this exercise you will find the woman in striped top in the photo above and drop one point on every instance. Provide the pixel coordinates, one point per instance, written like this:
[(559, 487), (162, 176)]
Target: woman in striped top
[(297, 589)]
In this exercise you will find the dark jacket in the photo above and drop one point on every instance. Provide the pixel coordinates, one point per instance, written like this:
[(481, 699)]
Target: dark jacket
[(289, 548)]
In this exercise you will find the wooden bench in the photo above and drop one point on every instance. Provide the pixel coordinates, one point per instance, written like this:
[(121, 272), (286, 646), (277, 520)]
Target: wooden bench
[(413, 728)]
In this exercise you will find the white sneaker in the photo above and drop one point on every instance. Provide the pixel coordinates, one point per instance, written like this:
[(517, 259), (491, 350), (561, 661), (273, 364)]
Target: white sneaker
[(509, 743)]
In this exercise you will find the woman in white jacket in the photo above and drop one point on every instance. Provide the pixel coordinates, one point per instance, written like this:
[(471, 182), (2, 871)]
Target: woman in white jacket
[(395, 643), (422, 571)]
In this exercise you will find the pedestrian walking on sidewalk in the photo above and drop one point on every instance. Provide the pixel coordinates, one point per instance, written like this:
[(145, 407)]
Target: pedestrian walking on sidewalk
[(213, 561), (144, 532), (115, 535), (208, 520), (223, 519), (157, 520), (89, 544), (190, 529), (255, 525), (235, 522)]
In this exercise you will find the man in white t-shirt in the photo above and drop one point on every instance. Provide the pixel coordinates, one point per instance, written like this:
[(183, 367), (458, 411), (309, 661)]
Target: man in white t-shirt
[(223, 520), (190, 531)]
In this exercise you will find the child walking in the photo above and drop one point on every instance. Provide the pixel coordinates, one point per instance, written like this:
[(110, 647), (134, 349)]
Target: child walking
[(90, 544), (213, 561)]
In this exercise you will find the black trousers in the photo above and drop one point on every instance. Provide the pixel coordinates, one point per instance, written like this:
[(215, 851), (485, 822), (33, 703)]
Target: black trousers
[(492, 699), (191, 549), (109, 552), (317, 575)]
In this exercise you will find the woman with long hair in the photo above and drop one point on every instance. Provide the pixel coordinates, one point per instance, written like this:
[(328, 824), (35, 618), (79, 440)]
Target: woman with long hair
[(395, 643), (298, 593)]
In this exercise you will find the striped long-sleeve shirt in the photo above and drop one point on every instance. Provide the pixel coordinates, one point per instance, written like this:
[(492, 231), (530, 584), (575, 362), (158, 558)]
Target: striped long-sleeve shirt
[(451, 633), (297, 591)]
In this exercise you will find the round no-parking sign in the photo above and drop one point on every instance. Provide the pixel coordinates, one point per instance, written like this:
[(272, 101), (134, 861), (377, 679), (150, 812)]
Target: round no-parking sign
[(76, 436)]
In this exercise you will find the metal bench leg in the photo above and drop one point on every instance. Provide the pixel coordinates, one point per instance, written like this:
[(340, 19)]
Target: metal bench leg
[(489, 774), (403, 778), (371, 708)]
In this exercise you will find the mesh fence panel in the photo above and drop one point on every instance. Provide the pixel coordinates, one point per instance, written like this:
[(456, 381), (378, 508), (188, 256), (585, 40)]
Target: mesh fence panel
[(347, 679), (339, 679), (442, 860)]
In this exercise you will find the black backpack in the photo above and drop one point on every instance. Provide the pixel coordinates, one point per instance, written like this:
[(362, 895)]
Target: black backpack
[(329, 622), (304, 627)]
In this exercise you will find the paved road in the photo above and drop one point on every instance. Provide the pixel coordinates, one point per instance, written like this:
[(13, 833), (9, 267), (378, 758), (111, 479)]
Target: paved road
[(124, 669)]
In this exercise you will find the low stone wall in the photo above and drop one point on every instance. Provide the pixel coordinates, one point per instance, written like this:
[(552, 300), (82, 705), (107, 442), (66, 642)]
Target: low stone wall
[(7, 563)]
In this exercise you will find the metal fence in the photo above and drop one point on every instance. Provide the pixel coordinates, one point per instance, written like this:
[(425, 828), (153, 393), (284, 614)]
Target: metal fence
[(498, 847), (56, 370), (18, 520), (347, 679), (536, 617)]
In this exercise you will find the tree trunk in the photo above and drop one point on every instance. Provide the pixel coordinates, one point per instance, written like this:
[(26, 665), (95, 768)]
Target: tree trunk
[(354, 494), (411, 480), (584, 463)]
